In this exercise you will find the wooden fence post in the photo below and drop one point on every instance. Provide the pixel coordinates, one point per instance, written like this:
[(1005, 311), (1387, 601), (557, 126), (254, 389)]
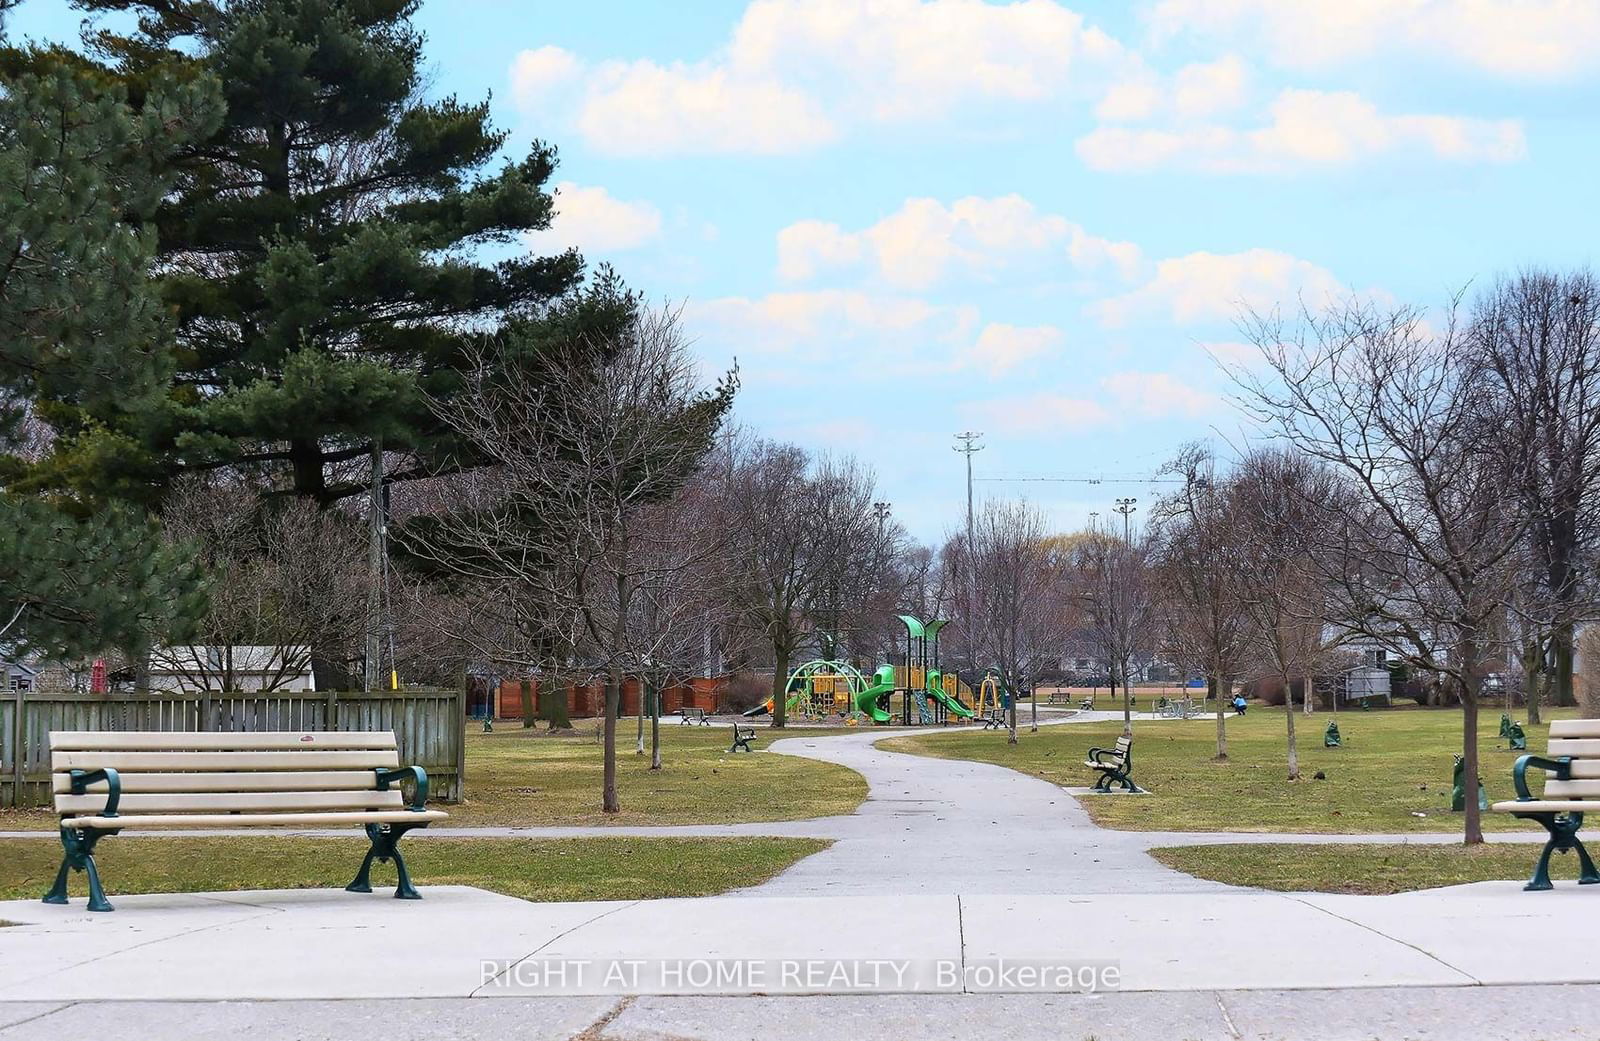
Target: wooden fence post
[(18, 753)]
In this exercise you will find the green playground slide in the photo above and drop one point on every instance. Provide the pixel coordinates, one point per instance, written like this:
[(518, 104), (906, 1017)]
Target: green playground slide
[(867, 700), (955, 707)]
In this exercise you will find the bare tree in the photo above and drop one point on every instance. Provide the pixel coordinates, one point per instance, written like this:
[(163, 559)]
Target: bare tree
[(1279, 497), (804, 539), (1007, 594), (283, 575), (1112, 584), (1539, 336), (1198, 563), (586, 443), (1420, 556)]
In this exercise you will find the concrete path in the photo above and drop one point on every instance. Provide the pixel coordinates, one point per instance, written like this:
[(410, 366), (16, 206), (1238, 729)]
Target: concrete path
[(1559, 1013), (461, 942)]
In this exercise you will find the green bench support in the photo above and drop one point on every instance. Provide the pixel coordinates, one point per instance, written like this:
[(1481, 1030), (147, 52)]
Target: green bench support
[(742, 736), (1115, 766)]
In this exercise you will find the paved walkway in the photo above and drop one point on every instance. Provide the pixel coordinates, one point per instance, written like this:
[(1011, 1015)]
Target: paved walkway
[(965, 900)]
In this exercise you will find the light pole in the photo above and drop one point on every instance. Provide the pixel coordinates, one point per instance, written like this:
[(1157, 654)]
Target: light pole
[(881, 511), (1126, 508)]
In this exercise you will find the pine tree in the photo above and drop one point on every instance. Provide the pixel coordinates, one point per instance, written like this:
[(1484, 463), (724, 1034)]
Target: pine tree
[(325, 249), (81, 345), (330, 250)]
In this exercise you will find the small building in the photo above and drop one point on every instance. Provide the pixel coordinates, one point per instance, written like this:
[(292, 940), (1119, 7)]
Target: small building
[(242, 667)]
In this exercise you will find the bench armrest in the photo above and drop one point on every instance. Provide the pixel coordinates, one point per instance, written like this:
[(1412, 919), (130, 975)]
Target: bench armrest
[(1561, 767), (1096, 753), (420, 797), (82, 779)]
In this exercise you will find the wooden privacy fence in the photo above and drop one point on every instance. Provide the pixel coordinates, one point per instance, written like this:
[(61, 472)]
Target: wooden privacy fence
[(427, 723)]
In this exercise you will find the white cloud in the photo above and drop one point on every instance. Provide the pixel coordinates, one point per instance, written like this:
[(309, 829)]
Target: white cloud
[(591, 218), (1000, 348), (1157, 394), (535, 73), (901, 58), (808, 246), (1207, 286), (1198, 89), (1206, 88), (1308, 128), (794, 72), (641, 108), (1522, 39), (925, 240), (1124, 396), (830, 323), (1040, 413)]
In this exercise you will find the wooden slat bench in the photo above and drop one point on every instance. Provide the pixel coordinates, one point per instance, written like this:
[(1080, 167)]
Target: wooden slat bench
[(693, 715), (1114, 764), (111, 781), (1572, 789)]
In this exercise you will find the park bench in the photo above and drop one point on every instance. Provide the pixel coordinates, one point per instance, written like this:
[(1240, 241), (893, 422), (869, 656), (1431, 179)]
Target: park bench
[(1114, 764), (1573, 788), (995, 720), (1087, 704), (693, 715), (1058, 697), (106, 782), (742, 736)]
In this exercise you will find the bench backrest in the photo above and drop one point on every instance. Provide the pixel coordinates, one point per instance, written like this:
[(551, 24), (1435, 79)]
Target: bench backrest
[(1123, 744), (1579, 739), (178, 772)]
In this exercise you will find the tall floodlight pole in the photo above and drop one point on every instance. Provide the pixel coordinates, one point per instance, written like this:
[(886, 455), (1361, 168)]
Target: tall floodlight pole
[(1126, 507), (881, 511), (969, 445)]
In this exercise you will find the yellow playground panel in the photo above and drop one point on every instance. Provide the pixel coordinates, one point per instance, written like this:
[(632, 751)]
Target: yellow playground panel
[(915, 677)]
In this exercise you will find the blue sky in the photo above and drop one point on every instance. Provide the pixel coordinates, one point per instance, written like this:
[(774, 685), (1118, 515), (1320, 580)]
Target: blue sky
[(1036, 219)]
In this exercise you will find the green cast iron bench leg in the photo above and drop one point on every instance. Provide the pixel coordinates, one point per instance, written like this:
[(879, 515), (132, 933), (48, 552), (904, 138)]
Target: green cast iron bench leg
[(79, 856), (1563, 829), (385, 846)]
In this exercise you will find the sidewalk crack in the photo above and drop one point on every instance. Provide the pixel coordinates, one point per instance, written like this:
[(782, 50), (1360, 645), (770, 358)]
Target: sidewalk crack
[(1227, 1019), (1392, 939), (564, 933)]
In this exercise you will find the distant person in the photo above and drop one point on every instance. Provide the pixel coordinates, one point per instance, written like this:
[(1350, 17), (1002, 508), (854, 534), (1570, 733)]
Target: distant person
[(1238, 704)]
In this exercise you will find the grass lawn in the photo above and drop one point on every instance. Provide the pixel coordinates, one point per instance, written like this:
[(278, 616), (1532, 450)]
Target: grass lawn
[(1361, 868), (612, 868), (528, 778), (1395, 764)]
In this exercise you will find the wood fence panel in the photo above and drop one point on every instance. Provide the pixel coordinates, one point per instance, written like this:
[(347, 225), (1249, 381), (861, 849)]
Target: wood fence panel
[(428, 726)]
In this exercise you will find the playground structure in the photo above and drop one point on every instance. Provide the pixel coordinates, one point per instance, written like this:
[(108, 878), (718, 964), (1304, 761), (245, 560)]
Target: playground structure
[(827, 687)]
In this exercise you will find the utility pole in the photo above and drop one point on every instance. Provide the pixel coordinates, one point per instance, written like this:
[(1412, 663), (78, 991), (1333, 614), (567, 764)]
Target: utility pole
[(969, 445), (374, 649)]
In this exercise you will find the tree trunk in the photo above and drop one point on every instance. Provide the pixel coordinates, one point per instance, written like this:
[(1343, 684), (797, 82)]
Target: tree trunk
[(1217, 690), (638, 744), (1469, 754), (780, 680), (655, 728), (553, 705), (1127, 702), (1561, 643), (609, 803), (1288, 712), (1532, 678), (530, 707)]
